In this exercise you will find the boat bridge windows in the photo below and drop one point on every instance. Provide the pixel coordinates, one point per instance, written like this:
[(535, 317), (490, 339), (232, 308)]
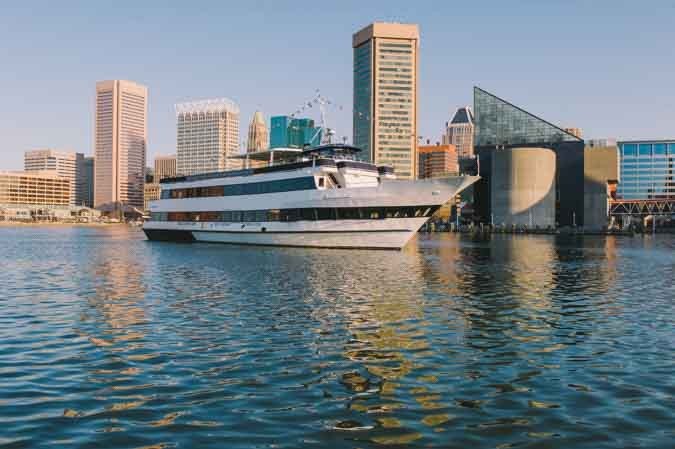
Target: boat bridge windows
[(251, 188), (305, 214)]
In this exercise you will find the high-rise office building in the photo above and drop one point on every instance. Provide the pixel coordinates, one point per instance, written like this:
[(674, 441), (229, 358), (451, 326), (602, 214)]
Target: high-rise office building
[(208, 135), (66, 164), (257, 133), (87, 181), (459, 132), (289, 132), (165, 167), (385, 95), (120, 144)]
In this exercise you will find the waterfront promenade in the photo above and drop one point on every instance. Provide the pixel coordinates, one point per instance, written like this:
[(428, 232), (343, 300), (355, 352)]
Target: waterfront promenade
[(110, 341)]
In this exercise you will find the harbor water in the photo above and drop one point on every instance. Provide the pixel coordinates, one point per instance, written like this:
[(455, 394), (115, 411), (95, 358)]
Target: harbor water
[(108, 340)]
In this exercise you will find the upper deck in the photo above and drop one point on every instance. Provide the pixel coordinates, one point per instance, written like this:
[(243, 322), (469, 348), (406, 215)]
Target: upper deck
[(287, 163)]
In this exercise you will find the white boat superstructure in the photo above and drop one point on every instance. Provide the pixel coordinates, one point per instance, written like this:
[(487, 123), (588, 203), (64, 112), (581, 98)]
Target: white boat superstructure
[(318, 198)]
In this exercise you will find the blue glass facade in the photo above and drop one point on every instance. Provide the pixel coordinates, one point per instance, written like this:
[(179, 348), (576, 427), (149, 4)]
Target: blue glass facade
[(288, 132), (646, 170), (279, 131), (363, 81)]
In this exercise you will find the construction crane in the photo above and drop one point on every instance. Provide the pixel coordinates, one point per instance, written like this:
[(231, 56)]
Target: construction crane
[(322, 102)]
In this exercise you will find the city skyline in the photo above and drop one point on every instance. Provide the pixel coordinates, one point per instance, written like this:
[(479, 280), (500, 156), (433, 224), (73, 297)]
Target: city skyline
[(518, 54)]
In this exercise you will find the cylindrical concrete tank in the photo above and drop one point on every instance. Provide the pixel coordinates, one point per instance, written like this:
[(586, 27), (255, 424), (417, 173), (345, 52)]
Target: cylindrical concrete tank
[(523, 187)]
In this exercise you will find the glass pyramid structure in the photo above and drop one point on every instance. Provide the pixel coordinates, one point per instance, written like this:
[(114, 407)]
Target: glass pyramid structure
[(500, 123)]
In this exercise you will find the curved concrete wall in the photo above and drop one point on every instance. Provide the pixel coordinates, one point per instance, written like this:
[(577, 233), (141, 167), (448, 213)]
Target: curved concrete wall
[(523, 187)]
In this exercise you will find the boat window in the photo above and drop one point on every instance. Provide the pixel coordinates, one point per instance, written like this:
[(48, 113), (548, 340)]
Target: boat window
[(325, 213), (252, 188), (321, 181), (290, 215), (334, 181), (274, 215), (306, 214)]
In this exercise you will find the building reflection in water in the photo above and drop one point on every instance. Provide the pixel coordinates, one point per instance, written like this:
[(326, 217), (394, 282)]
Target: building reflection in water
[(382, 309), (115, 321)]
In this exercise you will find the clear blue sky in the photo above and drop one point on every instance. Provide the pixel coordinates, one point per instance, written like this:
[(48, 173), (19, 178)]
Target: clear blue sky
[(605, 66)]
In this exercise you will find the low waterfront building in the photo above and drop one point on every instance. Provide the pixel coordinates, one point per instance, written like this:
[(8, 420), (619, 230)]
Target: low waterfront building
[(438, 160), (38, 213), (34, 188), (647, 168), (601, 175), (502, 125), (151, 192), (646, 190), (39, 196), (523, 192), (66, 164)]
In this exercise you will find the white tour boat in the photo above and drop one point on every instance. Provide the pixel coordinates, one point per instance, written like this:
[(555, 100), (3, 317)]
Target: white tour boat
[(321, 197)]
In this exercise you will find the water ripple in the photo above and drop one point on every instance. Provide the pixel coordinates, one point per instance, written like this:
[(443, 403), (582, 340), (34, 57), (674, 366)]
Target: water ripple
[(107, 340)]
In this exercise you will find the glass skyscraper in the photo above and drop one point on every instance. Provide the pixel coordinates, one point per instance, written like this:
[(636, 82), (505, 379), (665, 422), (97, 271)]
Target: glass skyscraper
[(502, 125), (646, 170), (385, 95), (289, 132)]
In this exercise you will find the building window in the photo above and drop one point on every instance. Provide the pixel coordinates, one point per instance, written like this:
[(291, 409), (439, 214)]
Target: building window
[(660, 149), (645, 149), (630, 149)]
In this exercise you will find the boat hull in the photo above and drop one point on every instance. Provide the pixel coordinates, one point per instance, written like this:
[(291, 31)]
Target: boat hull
[(348, 234)]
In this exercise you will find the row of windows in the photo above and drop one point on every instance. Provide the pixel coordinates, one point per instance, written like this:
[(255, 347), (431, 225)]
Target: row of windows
[(395, 45), (306, 214), (647, 149), (252, 188), (648, 162)]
